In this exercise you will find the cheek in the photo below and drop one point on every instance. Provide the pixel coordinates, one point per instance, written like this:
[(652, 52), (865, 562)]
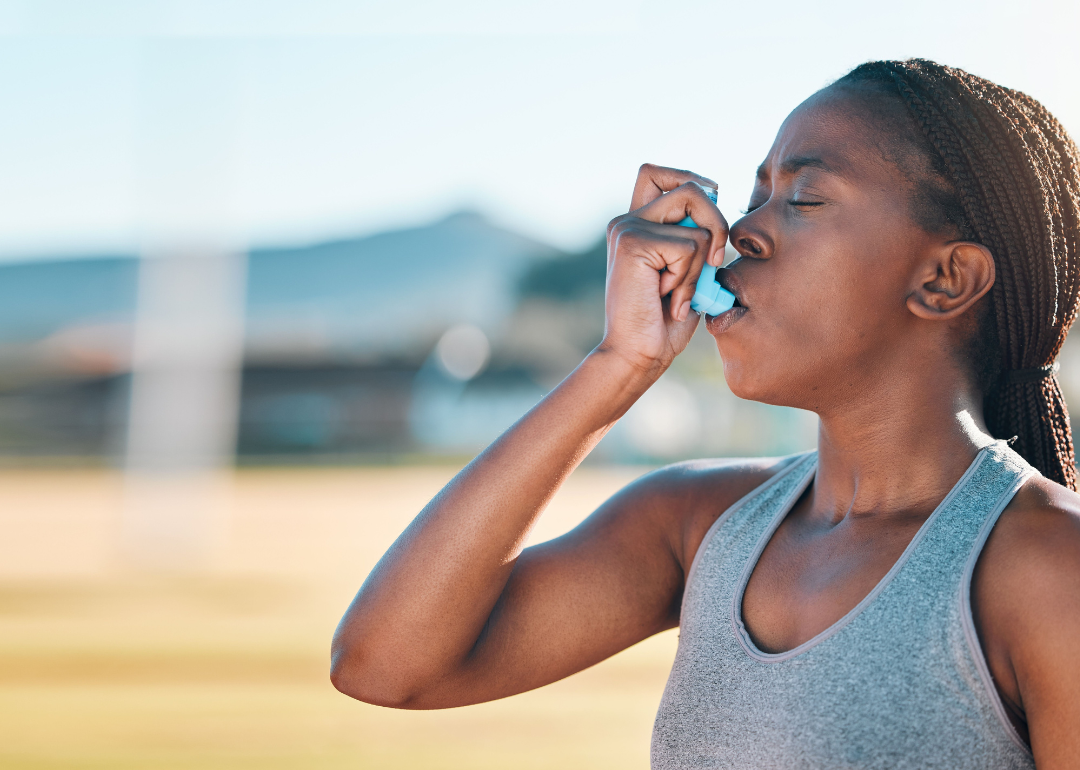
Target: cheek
[(820, 312), (858, 306), (846, 283)]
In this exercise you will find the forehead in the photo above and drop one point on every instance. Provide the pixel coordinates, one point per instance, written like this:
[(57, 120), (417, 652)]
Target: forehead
[(834, 132)]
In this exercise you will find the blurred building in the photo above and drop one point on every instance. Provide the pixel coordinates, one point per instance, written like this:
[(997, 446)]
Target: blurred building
[(335, 336), (410, 344)]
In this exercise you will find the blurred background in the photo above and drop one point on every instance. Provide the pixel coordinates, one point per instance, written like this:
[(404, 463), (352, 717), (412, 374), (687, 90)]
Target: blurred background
[(271, 272)]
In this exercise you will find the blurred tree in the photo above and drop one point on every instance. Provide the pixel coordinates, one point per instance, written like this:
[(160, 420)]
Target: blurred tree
[(559, 315), (571, 278)]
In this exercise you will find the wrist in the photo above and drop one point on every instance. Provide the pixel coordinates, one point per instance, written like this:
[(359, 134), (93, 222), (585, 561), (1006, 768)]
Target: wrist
[(634, 370), (618, 380)]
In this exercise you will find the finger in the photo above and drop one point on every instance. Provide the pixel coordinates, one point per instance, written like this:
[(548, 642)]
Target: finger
[(643, 231), (689, 200), (663, 249), (684, 291), (678, 282), (682, 315), (680, 279), (678, 259), (676, 253), (677, 273), (653, 181)]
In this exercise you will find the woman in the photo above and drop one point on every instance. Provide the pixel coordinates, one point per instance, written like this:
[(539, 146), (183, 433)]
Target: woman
[(906, 596)]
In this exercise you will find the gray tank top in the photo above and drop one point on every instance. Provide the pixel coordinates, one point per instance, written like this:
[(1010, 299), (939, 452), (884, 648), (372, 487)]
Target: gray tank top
[(898, 682)]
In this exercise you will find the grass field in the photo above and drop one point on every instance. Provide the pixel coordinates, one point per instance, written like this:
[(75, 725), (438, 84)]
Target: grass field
[(106, 666)]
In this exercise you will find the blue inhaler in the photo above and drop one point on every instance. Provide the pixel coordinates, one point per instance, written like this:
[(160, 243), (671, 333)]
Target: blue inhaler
[(710, 297)]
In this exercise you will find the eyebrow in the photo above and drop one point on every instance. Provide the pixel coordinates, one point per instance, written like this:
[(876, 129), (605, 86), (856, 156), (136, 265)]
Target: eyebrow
[(795, 165)]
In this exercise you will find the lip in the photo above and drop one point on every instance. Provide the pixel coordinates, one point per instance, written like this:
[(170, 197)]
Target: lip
[(718, 324), (730, 281), (721, 323)]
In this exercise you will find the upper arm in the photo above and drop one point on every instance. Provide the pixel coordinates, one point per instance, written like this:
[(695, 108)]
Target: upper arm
[(1028, 594), (614, 580)]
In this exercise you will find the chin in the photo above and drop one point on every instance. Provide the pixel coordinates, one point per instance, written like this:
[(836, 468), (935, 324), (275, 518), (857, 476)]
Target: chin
[(750, 383), (740, 381)]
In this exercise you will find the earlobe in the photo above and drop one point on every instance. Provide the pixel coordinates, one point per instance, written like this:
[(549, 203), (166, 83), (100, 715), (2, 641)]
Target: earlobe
[(952, 280)]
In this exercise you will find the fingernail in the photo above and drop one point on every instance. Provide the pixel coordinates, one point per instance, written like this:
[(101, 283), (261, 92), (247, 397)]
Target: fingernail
[(684, 310)]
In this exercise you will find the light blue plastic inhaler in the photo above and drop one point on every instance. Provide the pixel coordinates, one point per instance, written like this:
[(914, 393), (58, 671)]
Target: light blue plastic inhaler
[(710, 297)]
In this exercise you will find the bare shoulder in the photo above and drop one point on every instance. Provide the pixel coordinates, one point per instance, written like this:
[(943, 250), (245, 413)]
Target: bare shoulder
[(1029, 570), (1035, 545), (688, 497), (1026, 601)]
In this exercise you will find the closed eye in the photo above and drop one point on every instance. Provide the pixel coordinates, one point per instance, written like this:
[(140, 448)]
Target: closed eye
[(807, 203)]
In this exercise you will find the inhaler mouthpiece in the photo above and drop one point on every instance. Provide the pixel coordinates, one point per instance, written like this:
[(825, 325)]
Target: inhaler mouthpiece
[(710, 297)]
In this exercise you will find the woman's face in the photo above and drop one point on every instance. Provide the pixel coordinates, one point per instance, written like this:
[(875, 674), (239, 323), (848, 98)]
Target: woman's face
[(827, 257)]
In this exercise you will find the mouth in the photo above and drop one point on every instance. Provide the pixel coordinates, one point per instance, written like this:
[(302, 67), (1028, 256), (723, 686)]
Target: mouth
[(727, 279), (721, 323)]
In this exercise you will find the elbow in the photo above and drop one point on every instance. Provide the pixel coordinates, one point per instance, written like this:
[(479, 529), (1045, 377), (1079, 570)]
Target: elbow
[(359, 679), (342, 676)]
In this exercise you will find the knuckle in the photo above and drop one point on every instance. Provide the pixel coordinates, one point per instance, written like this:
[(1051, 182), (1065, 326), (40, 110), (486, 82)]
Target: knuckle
[(630, 237), (693, 188), (647, 168), (620, 241), (695, 239), (615, 224), (690, 245)]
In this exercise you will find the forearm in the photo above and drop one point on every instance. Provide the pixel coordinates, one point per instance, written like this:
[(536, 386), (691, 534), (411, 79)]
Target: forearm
[(423, 608)]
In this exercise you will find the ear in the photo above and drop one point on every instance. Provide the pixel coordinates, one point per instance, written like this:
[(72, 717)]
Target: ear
[(951, 280)]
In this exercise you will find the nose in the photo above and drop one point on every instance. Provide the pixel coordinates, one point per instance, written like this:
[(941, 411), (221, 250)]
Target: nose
[(749, 240)]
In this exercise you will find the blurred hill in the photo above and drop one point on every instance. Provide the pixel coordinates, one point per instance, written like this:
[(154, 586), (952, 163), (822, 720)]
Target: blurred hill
[(573, 278), (391, 294), (387, 294), (559, 315), (417, 342), (335, 335), (40, 298)]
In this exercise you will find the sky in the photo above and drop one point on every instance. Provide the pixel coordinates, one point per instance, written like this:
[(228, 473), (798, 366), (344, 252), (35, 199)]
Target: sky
[(129, 125)]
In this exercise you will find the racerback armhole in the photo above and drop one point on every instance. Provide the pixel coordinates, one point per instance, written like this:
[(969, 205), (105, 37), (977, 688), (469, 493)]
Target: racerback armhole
[(967, 619), (793, 462)]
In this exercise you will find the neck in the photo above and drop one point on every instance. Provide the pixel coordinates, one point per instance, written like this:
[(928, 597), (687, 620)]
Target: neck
[(900, 452)]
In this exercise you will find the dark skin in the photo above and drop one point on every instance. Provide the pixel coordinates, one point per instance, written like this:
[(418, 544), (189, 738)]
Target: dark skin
[(850, 309)]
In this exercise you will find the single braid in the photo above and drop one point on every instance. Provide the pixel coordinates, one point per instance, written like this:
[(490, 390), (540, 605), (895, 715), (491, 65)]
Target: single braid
[(1014, 173)]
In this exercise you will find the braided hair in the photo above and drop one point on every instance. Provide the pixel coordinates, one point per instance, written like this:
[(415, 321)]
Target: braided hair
[(1003, 173)]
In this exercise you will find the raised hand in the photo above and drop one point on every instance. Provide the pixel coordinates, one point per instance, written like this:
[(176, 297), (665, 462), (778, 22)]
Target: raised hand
[(653, 265)]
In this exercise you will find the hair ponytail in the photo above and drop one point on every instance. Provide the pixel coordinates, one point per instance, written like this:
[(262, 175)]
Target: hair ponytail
[(1035, 413), (1009, 173)]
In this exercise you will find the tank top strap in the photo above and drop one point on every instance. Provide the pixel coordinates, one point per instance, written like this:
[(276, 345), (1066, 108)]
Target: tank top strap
[(736, 531), (942, 555)]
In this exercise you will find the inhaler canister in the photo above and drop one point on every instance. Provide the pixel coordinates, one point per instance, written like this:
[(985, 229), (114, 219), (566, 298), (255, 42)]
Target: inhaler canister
[(710, 297)]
